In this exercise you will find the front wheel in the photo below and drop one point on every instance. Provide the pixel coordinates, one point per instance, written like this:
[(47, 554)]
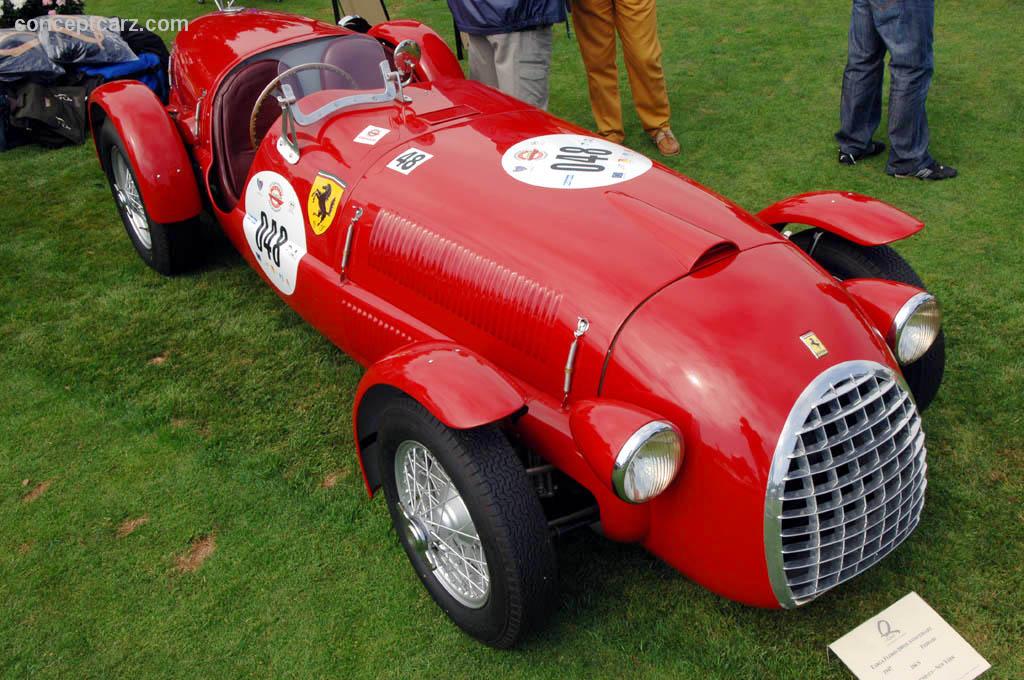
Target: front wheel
[(845, 260), (167, 248), (470, 523)]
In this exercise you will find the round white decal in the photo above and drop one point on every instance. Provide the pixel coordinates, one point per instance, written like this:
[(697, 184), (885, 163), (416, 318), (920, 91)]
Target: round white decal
[(274, 228), (573, 162)]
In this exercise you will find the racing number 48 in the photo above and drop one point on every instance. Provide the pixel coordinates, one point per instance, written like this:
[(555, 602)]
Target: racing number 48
[(410, 160)]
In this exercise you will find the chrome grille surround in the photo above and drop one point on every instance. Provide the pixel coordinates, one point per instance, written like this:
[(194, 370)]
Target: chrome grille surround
[(847, 480)]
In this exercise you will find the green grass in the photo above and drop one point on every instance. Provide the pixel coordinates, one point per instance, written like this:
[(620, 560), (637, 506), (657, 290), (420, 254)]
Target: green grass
[(232, 433)]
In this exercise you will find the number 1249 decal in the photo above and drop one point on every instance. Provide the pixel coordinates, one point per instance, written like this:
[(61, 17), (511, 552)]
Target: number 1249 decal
[(409, 160)]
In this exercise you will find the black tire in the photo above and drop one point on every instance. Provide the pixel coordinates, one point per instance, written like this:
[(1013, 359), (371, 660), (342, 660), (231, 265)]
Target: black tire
[(504, 509), (845, 260), (172, 247)]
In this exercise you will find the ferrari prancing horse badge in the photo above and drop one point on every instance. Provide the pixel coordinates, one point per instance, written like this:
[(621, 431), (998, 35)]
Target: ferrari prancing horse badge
[(324, 199), (814, 344)]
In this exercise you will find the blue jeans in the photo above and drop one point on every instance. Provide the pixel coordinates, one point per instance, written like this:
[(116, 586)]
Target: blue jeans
[(904, 29)]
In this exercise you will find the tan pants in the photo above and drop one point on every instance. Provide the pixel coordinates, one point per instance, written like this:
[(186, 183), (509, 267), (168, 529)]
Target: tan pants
[(515, 63), (636, 21)]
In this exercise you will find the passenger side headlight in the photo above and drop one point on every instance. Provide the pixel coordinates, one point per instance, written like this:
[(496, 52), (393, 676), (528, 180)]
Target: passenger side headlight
[(647, 462), (915, 328)]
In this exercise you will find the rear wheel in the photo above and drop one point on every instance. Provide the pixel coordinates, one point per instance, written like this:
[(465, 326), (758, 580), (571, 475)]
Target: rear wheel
[(167, 248), (470, 523), (846, 260)]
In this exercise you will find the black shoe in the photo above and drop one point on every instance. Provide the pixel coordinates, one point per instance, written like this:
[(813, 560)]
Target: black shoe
[(852, 158), (935, 171)]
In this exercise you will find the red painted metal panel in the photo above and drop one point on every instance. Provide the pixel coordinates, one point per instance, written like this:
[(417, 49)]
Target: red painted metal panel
[(881, 300), (855, 217), (155, 149)]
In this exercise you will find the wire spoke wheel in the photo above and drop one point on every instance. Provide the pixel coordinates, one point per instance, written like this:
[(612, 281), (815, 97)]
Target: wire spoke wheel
[(469, 521), (168, 247), (128, 198), (439, 526)]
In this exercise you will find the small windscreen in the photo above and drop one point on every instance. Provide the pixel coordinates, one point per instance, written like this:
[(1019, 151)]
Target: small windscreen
[(357, 58)]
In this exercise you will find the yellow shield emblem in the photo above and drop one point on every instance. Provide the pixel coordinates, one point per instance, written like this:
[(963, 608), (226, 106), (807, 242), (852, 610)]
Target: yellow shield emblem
[(324, 200), (814, 344)]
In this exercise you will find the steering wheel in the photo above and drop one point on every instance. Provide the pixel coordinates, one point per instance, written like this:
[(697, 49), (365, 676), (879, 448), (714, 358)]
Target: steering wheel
[(273, 84)]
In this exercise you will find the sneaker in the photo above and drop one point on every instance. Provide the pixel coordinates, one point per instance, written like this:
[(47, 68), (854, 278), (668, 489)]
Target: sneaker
[(935, 171), (852, 158), (666, 142)]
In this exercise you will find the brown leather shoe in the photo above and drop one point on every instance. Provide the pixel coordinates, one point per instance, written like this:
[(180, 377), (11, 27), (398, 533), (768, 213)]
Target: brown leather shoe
[(614, 136), (666, 142)]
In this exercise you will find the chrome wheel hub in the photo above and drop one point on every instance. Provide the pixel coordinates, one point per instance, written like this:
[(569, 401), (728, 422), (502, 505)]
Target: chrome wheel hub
[(128, 198), (438, 525)]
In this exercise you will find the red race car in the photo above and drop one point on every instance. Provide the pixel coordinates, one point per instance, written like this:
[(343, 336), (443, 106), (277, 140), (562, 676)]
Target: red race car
[(557, 331)]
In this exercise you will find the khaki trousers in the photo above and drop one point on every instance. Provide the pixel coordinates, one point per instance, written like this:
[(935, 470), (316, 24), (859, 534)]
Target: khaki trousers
[(515, 63), (636, 22)]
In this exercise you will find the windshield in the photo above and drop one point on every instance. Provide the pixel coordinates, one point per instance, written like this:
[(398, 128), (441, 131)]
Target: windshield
[(357, 56)]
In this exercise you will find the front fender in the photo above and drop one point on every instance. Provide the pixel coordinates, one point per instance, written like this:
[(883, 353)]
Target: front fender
[(460, 388), (155, 150), (437, 61), (861, 219)]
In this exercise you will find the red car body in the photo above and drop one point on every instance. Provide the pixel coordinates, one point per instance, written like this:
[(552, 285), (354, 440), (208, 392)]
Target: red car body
[(463, 286)]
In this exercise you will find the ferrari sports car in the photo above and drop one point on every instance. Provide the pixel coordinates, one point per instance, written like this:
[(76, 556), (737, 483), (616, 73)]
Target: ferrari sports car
[(557, 332)]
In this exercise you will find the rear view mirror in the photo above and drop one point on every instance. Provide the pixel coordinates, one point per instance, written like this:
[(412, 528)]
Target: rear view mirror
[(407, 59)]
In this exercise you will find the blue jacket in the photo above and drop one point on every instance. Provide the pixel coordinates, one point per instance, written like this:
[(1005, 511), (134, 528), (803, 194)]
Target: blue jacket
[(487, 17)]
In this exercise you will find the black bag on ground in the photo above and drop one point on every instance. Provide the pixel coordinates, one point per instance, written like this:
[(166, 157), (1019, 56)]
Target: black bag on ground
[(9, 137), (22, 56), (52, 116), (83, 39)]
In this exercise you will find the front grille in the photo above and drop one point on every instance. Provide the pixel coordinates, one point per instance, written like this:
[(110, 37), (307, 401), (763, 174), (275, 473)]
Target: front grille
[(847, 481)]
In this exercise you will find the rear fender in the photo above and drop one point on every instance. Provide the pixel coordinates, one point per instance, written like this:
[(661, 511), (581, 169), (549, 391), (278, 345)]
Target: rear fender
[(459, 388), (437, 61), (854, 217), (155, 150)]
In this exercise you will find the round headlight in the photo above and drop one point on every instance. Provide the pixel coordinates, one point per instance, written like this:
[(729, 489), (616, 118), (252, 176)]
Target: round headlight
[(648, 462), (915, 328)]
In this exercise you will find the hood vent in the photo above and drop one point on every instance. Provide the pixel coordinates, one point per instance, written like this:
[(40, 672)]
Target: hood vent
[(692, 246)]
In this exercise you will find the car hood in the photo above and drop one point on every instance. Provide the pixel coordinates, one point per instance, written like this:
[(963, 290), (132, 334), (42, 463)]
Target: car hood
[(554, 255)]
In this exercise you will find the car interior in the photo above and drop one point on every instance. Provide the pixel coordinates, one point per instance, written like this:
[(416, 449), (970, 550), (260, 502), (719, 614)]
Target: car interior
[(358, 55)]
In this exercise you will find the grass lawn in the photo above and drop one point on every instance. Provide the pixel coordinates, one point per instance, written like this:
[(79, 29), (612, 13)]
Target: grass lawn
[(205, 406)]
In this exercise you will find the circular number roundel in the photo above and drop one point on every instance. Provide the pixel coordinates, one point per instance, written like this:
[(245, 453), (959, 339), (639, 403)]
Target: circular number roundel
[(274, 228), (573, 162)]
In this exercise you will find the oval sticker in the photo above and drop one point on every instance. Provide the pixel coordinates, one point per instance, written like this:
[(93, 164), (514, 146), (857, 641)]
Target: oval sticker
[(573, 162), (274, 228)]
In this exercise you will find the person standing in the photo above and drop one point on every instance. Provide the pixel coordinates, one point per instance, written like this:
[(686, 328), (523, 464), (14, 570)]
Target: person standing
[(510, 43), (903, 28), (636, 23)]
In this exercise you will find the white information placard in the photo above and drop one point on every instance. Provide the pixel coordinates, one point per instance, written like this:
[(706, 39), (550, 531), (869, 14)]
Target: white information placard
[(908, 641)]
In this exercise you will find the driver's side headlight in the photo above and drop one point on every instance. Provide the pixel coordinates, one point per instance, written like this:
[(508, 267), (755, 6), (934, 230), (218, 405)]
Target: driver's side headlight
[(648, 462), (915, 328)]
